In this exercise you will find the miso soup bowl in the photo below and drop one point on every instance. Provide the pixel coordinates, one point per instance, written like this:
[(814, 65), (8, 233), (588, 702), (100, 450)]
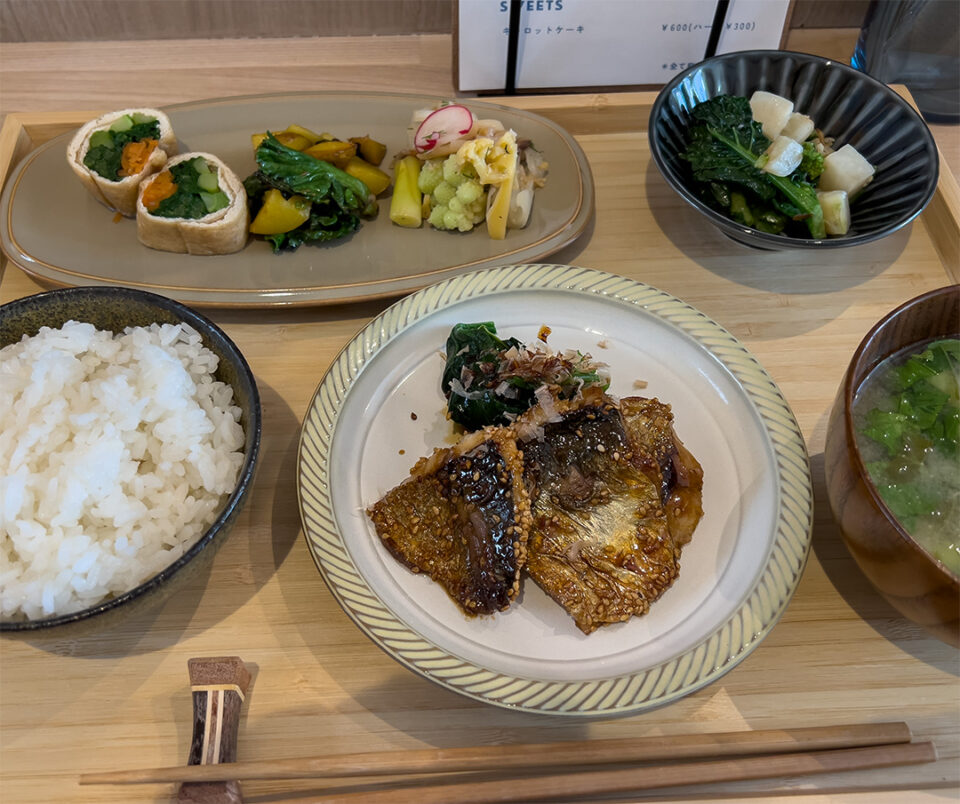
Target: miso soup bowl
[(915, 583)]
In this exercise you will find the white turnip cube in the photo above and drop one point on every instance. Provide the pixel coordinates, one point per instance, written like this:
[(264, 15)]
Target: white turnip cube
[(783, 156), (771, 111), (836, 211), (847, 170), (799, 127)]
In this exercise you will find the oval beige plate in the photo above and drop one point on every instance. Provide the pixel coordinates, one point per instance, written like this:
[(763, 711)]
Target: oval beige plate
[(52, 228), (379, 408)]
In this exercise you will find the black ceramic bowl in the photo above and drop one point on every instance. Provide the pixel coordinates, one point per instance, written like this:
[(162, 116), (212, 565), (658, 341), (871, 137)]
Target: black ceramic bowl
[(113, 308), (844, 103)]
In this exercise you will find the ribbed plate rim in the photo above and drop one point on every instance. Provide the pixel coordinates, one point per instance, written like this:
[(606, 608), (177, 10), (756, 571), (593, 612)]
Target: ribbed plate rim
[(632, 692)]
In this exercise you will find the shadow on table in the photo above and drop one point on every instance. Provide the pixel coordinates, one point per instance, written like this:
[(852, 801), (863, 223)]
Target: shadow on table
[(570, 253), (260, 540), (856, 590), (792, 271), (279, 316)]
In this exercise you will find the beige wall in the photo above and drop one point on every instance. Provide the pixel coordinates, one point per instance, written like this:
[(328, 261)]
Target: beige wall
[(65, 20)]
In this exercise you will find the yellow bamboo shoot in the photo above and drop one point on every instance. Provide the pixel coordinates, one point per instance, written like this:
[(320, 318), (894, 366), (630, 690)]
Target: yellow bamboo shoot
[(406, 203)]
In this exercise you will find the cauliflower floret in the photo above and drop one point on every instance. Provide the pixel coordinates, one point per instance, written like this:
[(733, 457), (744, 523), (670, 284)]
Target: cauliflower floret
[(443, 192), (431, 174), (494, 162), (469, 191), (451, 171), (458, 201)]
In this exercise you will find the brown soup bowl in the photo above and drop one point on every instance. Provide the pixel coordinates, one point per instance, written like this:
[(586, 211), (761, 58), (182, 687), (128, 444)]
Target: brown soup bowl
[(915, 583)]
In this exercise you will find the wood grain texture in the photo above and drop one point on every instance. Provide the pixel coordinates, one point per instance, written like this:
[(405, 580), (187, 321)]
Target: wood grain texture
[(536, 758), (828, 13), (600, 783), (839, 654), (104, 20)]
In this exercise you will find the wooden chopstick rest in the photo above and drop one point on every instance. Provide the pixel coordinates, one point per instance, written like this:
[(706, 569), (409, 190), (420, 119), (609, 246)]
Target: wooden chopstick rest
[(219, 686), (538, 756)]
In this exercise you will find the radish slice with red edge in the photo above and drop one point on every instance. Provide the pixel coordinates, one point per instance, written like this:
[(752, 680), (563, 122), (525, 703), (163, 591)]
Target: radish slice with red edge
[(446, 124)]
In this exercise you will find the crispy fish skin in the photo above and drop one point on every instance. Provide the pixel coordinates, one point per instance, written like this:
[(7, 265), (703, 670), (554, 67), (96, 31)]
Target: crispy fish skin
[(649, 427), (600, 544), (462, 518)]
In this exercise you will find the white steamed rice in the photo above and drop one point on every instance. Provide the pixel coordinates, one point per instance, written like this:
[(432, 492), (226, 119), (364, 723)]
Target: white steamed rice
[(116, 453)]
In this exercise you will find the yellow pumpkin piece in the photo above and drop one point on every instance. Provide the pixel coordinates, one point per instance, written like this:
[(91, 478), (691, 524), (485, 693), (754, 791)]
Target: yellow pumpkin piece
[(295, 141), (256, 139), (279, 214), (304, 132), (336, 152), (376, 180), (369, 149)]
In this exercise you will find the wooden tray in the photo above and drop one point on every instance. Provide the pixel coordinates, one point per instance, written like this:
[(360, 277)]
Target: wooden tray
[(839, 654)]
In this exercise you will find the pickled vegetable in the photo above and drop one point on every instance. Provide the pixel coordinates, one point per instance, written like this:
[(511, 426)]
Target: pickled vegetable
[(371, 175), (278, 215), (369, 149), (336, 152), (406, 207)]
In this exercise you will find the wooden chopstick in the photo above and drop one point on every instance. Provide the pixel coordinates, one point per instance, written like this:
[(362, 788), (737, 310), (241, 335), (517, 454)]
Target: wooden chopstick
[(519, 757), (596, 783)]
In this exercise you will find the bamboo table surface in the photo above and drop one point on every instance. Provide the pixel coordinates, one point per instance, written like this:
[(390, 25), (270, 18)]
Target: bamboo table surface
[(840, 654)]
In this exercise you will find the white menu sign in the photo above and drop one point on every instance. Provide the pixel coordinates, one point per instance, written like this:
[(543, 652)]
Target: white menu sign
[(582, 43)]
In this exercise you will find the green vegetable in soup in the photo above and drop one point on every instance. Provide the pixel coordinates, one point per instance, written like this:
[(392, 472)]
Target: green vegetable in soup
[(724, 145), (908, 418), (105, 152)]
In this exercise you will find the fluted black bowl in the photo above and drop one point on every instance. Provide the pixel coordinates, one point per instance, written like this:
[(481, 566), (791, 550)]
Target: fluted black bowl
[(113, 308), (844, 103)]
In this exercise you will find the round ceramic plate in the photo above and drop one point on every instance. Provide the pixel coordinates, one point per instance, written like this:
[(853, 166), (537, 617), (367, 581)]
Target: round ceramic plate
[(53, 228), (379, 408)]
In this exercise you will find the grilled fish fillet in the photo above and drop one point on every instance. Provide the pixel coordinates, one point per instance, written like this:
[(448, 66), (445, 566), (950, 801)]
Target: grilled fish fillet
[(463, 518), (649, 427), (602, 543)]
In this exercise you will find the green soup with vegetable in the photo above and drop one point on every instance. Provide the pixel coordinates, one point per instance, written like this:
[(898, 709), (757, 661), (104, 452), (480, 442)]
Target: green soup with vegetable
[(907, 420)]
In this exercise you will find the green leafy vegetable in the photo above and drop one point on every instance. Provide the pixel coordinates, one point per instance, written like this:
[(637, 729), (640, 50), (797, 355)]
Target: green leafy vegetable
[(326, 222), (488, 380), (186, 202), (105, 159), (724, 145), (921, 419), (811, 166), (338, 198), (473, 354)]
